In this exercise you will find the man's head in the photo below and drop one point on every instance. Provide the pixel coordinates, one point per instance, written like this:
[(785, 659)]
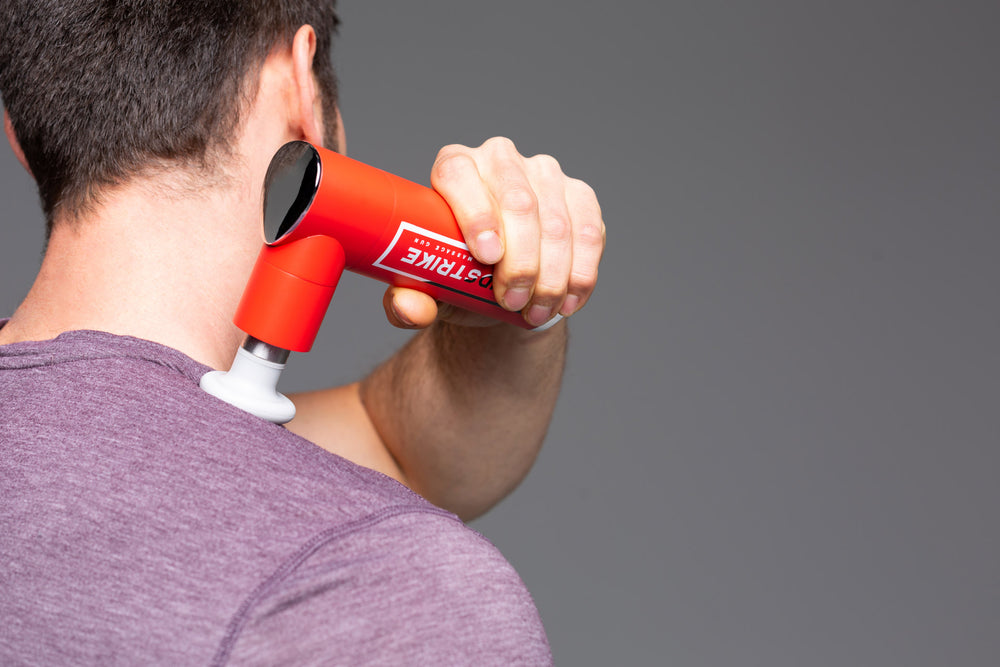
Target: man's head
[(100, 91)]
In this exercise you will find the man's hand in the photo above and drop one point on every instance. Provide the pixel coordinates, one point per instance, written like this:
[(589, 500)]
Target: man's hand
[(542, 230)]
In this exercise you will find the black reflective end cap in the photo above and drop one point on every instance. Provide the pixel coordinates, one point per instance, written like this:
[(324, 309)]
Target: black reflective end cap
[(289, 188)]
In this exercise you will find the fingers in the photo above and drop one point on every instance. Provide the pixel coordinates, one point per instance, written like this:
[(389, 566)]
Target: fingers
[(494, 201), (456, 177), (555, 240), (541, 230), (515, 276), (589, 240)]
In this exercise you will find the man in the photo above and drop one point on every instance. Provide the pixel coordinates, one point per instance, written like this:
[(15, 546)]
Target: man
[(146, 522)]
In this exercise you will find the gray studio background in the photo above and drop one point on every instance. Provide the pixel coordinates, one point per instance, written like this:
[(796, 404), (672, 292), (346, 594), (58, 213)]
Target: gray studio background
[(778, 440)]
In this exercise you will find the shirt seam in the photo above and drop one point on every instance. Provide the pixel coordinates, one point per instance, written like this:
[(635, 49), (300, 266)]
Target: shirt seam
[(46, 363), (237, 622)]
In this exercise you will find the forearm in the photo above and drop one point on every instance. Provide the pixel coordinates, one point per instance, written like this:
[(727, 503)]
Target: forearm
[(464, 410)]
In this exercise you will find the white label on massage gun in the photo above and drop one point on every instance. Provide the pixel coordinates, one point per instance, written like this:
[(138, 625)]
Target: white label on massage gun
[(441, 261)]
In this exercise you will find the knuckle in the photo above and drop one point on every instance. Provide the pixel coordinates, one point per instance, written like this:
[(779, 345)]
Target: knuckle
[(582, 282), (478, 219), (500, 145), (549, 290), (453, 165), (583, 196), (520, 274), (592, 234), (546, 164), (556, 228), (451, 149), (582, 190), (518, 199)]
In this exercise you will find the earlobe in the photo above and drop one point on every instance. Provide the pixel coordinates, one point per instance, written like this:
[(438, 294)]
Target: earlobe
[(8, 129), (309, 100)]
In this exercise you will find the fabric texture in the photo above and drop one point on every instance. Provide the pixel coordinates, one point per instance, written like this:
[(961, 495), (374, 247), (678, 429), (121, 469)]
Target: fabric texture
[(145, 522)]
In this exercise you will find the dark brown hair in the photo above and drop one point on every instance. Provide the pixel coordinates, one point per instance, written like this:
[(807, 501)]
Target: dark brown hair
[(101, 90)]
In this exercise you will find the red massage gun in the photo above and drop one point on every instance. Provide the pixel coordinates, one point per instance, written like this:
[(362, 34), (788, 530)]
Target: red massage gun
[(324, 212)]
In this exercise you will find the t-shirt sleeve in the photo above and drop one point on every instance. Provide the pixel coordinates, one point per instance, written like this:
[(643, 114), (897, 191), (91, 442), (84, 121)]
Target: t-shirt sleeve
[(410, 588)]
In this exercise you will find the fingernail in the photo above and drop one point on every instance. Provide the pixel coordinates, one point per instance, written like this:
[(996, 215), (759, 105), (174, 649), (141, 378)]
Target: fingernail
[(488, 247), (538, 315), (516, 298), (570, 305), (399, 315)]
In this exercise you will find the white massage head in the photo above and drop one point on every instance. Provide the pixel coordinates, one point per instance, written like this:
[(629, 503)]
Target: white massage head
[(251, 382)]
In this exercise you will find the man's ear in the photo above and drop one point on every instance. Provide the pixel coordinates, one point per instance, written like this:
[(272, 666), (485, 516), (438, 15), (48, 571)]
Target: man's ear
[(8, 129), (309, 101)]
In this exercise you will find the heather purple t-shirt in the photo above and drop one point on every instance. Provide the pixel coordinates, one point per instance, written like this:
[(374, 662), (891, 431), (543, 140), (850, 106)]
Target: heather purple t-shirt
[(143, 521)]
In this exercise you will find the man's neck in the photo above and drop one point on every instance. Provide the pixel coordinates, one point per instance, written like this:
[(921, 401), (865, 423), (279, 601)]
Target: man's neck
[(167, 268)]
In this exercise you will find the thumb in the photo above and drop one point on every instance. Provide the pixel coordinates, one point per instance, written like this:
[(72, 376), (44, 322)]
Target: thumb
[(409, 309)]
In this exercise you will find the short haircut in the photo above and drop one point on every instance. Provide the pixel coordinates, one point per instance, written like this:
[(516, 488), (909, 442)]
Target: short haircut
[(101, 90)]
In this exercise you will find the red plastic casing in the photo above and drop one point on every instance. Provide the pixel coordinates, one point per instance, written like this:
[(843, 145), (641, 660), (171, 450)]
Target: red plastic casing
[(373, 223), (289, 291)]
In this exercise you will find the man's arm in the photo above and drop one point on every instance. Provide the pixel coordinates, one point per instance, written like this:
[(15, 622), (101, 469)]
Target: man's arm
[(460, 413), (464, 411)]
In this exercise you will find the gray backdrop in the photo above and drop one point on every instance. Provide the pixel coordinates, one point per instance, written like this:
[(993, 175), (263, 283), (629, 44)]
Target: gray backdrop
[(777, 444)]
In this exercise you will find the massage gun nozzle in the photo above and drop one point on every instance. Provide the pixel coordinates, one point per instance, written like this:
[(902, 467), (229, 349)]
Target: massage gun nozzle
[(265, 351), (250, 384)]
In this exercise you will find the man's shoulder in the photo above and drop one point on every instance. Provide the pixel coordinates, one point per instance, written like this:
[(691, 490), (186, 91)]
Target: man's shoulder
[(404, 585), (116, 408)]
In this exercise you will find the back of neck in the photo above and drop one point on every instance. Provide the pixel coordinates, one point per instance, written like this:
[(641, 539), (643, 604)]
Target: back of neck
[(168, 269)]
